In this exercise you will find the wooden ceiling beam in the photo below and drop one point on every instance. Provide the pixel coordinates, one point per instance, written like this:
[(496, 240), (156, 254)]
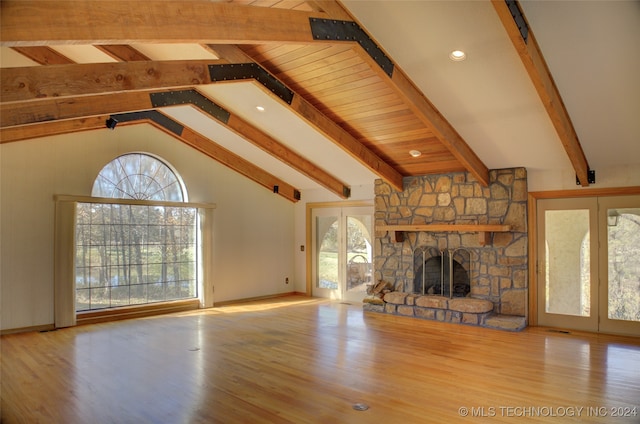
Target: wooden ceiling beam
[(533, 60), (432, 118), (39, 22), (75, 82), (332, 8), (270, 145), (187, 136), (237, 163), (40, 82), (347, 142), (20, 114), (37, 84), (117, 22), (54, 109), (47, 129), (417, 102), (442, 129), (325, 125)]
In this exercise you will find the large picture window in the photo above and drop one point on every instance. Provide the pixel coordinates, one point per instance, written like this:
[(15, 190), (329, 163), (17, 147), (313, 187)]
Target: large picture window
[(133, 254)]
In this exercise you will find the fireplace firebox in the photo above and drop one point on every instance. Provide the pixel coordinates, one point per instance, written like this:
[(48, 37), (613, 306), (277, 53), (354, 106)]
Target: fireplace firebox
[(442, 272)]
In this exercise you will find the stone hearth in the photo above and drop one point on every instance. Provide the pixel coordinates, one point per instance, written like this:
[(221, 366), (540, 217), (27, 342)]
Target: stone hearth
[(497, 270), (462, 310), (466, 310)]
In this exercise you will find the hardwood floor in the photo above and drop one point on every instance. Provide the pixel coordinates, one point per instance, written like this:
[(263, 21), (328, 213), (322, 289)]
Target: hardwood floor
[(304, 360)]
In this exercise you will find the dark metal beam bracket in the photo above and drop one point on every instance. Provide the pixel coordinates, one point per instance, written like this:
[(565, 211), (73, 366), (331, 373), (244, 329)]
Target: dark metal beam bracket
[(591, 177), (518, 17), (240, 71), (190, 97), (152, 115), (335, 30)]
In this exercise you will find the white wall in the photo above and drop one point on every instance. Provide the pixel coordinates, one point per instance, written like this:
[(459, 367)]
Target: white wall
[(253, 228)]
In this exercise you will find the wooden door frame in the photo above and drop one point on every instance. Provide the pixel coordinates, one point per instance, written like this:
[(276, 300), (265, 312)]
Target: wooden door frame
[(318, 205), (532, 227)]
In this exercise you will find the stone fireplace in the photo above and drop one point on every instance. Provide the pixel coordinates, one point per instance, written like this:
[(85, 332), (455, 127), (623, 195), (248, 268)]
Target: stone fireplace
[(450, 264)]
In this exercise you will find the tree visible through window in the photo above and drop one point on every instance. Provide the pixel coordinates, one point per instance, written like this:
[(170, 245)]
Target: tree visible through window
[(129, 253), (623, 242), (138, 176)]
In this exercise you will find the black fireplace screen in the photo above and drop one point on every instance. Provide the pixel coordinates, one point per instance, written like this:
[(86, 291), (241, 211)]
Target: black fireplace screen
[(442, 272)]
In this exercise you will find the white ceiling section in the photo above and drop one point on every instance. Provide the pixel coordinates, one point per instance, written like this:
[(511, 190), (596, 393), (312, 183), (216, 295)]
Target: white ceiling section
[(10, 58), (202, 123), (592, 49), (83, 53), (241, 98), (488, 97), (283, 125), (174, 51)]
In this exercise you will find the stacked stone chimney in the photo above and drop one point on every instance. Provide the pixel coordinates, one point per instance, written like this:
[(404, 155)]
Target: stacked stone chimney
[(499, 268)]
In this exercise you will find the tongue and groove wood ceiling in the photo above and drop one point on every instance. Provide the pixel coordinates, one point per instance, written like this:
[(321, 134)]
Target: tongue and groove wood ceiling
[(312, 56)]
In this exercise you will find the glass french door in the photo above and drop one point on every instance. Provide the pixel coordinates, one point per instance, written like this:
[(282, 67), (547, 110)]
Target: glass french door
[(342, 259), (620, 264), (589, 264)]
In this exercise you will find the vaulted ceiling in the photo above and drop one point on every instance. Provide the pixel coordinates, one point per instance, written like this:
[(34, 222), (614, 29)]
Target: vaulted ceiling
[(346, 89)]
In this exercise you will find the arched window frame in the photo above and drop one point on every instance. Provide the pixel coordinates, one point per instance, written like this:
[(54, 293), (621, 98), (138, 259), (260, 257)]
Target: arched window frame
[(136, 189)]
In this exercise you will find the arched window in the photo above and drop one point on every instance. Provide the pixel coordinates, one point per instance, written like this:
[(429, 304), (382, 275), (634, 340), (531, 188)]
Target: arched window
[(140, 248), (139, 176)]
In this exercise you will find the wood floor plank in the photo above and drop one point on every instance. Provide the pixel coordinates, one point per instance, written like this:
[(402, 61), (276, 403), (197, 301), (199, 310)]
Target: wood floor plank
[(307, 360)]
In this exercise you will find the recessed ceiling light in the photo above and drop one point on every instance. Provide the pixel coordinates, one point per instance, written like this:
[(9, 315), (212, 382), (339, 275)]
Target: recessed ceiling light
[(260, 108), (415, 153), (457, 55)]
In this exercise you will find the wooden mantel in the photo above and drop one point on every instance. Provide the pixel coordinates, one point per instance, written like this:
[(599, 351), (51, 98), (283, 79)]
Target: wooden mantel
[(484, 230)]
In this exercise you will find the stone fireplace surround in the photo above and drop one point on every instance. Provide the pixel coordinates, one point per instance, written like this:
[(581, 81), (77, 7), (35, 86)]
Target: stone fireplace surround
[(497, 270)]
